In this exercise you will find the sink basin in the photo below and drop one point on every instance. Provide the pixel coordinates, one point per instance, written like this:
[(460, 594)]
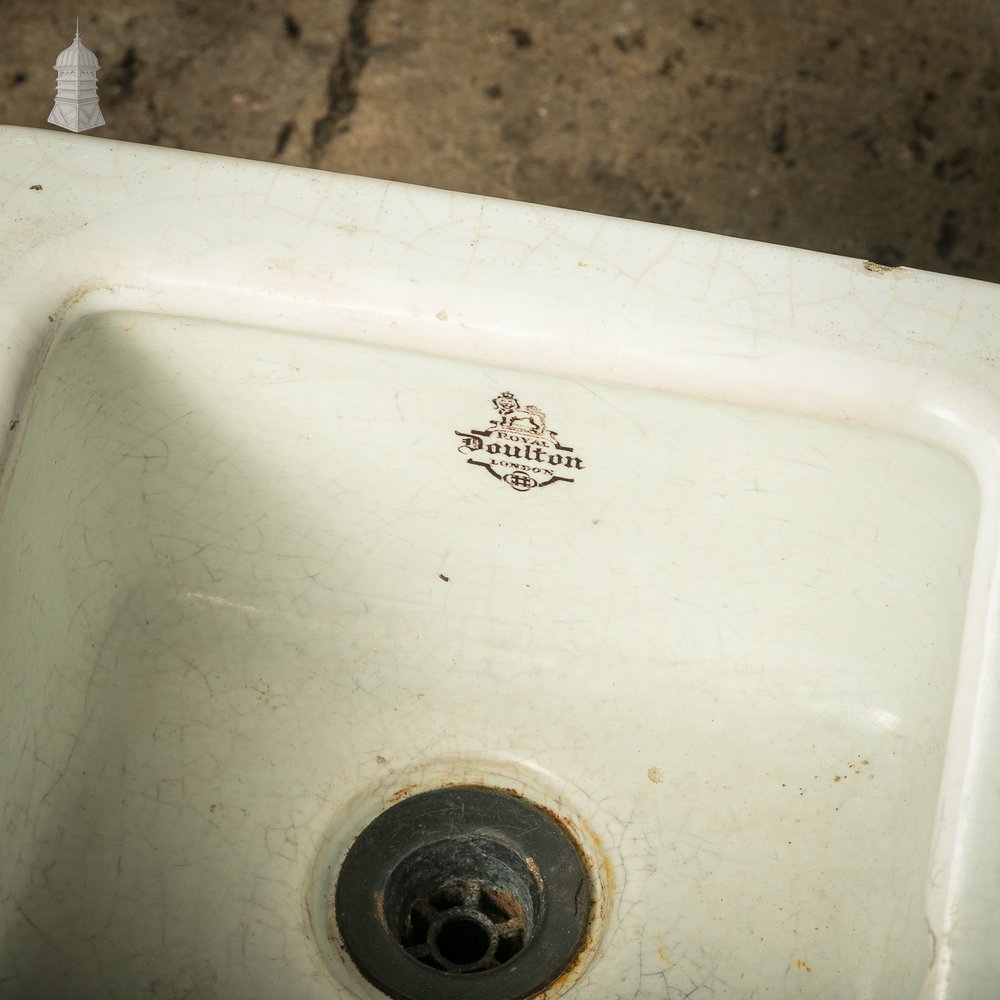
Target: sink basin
[(321, 492)]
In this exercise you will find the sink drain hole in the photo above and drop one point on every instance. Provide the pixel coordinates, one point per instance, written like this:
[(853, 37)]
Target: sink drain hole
[(463, 882), (462, 943), (462, 904), (465, 927)]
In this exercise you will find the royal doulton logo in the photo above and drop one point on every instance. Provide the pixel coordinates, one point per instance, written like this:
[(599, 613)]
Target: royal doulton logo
[(518, 449)]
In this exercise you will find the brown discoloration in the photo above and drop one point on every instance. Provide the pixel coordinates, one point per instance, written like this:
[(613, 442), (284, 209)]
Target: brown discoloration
[(597, 915), (506, 902), (608, 878), (78, 295), (380, 912), (512, 792), (403, 792), (600, 867), (569, 975), (655, 775), (870, 265), (535, 873), (804, 966)]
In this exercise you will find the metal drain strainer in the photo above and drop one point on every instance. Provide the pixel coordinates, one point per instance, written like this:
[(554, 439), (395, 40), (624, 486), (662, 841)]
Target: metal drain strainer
[(463, 888)]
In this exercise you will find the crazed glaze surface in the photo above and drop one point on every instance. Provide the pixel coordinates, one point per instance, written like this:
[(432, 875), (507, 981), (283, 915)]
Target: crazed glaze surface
[(254, 588)]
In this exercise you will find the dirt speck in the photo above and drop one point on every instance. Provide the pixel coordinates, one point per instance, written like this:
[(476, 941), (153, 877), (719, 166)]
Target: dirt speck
[(626, 39), (441, 576), (522, 37), (875, 268), (281, 139), (36, 187), (379, 759), (948, 233)]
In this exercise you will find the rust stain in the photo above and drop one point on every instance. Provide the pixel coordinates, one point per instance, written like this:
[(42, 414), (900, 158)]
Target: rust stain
[(568, 975), (403, 792), (596, 917), (655, 775), (804, 966), (870, 265), (607, 870), (505, 902), (533, 868), (380, 912), (606, 878)]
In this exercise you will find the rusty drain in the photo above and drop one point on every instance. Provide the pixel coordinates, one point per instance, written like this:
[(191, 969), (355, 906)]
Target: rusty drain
[(462, 888), (465, 926)]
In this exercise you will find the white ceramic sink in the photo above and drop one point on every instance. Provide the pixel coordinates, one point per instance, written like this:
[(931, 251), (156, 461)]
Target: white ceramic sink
[(320, 492)]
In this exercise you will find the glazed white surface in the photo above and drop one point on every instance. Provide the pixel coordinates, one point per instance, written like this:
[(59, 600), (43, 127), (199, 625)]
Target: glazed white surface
[(252, 587)]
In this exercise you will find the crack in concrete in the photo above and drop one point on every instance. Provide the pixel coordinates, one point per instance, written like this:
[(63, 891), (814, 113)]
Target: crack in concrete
[(342, 85)]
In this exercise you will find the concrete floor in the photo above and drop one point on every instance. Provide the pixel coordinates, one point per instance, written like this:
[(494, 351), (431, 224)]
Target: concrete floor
[(857, 128)]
